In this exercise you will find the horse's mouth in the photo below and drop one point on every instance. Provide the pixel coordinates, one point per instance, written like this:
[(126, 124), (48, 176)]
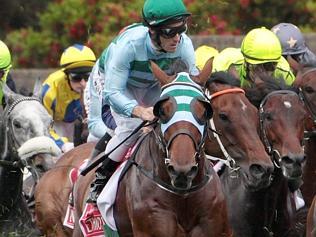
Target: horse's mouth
[(182, 182), (254, 185)]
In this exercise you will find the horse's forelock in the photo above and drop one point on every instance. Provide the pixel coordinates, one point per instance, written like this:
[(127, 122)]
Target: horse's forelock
[(222, 78), (268, 84)]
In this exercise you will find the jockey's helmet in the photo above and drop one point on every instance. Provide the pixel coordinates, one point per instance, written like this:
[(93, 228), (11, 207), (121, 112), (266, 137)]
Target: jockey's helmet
[(5, 56), (157, 13), (261, 45), (203, 54), (291, 38), (77, 56)]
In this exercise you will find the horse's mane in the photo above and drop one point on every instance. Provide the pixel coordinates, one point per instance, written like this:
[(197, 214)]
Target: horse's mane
[(176, 67), (223, 78), (268, 84)]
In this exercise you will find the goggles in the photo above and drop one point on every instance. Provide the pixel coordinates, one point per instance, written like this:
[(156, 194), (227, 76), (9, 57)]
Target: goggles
[(78, 77), (267, 67), (170, 32)]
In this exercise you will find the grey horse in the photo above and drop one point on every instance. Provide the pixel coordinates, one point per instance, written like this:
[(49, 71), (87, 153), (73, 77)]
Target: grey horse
[(24, 134)]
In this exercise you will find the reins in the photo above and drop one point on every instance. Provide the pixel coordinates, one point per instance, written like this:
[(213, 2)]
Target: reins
[(229, 161), (18, 163), (157, 180)]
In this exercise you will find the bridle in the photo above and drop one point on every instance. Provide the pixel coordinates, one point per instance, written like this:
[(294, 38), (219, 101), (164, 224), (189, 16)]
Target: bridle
[(274, 153), (229, 161), (16, 162)]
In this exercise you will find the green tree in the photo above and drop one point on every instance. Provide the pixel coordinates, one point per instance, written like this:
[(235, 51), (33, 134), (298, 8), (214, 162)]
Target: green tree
[(96, 22)]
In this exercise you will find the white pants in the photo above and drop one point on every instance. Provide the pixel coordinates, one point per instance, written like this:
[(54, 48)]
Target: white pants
[(125, 126)]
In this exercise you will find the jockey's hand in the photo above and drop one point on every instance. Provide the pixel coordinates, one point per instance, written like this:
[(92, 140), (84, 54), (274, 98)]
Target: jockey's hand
[(143, 113)]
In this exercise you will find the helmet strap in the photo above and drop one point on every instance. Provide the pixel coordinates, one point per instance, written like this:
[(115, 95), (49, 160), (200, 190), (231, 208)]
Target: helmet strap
[(155, 37)]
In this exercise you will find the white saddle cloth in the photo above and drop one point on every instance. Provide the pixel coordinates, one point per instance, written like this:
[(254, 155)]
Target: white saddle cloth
[(107, 197)]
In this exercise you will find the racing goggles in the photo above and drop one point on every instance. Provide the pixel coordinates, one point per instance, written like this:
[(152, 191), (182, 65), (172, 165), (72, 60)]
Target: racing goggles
[(78, 77), (170, 32), (267, 67)]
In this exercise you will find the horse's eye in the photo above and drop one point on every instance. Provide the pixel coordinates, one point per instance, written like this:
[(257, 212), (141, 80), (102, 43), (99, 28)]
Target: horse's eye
[(309, 89), (223, 116), (268, 116), (17, 124)]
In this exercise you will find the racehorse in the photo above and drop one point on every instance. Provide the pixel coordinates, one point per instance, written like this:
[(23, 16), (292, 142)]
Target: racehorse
[(269, 210), (311, 220), (236, 121), (306, 82), (171, 189), (53, 190), (23, 134)]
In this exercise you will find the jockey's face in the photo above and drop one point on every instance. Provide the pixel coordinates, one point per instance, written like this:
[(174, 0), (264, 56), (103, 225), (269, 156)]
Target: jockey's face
[(170, 35), (78, 81), (257, 70)]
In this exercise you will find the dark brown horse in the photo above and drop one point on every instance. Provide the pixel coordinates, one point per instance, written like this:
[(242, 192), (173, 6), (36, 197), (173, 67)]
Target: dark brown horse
[(52, 192), (306, 82), (311, 220), (172, 190), (270, 210)]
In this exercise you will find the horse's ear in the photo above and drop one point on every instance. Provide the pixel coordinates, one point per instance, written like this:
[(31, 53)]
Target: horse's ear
[(162, 77), (37, 88), (9, 95), (205, 73)]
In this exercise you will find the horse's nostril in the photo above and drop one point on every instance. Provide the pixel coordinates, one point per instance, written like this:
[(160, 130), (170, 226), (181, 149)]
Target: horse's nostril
[(257, 170), (193, 171), (287, 160), (171, 169)]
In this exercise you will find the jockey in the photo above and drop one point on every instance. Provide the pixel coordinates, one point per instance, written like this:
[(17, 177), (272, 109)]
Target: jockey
[(260, 52), (130, 88), (203, 54), (5, 66), (100, 121), (62, 92), (293, 44)]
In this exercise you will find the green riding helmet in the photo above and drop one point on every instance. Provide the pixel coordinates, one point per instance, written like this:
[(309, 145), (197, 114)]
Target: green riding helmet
[(157, 12), (5, 56), (261, 45)]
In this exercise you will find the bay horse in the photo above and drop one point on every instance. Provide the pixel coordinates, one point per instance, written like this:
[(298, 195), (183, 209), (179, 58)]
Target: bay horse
[(171, 189), (23, 134), (53, 190), (235, 119), (311, 220), (306, 83), (270, 210)]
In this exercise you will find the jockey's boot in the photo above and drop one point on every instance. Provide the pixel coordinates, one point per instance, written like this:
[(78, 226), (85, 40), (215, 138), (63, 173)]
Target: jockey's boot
[(102, 176), (100, 146)]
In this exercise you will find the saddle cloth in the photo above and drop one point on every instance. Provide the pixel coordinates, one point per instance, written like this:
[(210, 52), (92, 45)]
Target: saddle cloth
[(73, 176)]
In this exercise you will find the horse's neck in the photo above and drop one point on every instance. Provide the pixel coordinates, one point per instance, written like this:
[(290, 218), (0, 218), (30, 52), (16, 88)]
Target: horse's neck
[(258, 208), (309, 186)]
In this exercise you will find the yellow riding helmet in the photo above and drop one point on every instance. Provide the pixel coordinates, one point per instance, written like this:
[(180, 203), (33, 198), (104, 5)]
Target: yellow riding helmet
[(5, 56), (204, 53), (76, 56), (261, 45)]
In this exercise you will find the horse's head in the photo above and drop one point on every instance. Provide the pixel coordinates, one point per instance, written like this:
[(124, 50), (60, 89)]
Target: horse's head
[(24, 119), (183, 112), (282, 117), (306, 83), (236, 121)]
